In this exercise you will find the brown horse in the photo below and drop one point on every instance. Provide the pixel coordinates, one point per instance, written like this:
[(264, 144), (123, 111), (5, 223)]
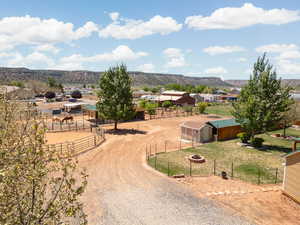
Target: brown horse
[(56, 119), (67, 119)]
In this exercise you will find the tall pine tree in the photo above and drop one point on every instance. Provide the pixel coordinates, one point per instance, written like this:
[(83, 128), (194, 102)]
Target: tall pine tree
[(115, 95), (263, 100)]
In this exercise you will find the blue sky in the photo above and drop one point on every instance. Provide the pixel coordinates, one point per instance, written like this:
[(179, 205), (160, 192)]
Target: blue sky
[(196, 38)]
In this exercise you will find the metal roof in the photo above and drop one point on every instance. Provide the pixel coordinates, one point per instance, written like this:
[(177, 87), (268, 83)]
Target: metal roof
[(291, 153), (197, 125), (90, 107), (223, 123)]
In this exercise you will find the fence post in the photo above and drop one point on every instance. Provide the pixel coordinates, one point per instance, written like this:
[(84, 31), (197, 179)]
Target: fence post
[(76, 126), (60, 125), (276, 177), (52, 126), (214, 167), (155, 148), (168, 168), (61, 148), (155, 161), (190, 168), (95, 142), (232, 170), (150, 150), (258, 177)]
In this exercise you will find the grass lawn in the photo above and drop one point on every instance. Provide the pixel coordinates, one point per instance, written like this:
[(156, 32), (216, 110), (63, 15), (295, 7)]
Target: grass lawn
[(222, 109), (249, 164)]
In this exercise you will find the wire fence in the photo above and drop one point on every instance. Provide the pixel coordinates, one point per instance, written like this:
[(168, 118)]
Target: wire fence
[(161, 113), (78, 146), (172, 159)]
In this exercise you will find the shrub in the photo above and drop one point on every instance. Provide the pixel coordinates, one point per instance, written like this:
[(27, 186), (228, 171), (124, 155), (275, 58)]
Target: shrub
[(167, 104), (201, 106), (76, 94), (244, 137), (50, 95), (151, 108), (142, 103), (257, 142)]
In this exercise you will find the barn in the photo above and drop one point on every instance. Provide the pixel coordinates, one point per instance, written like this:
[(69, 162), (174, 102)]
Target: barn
[(291, 180), (225, 129), (179, 98), (196, 131)]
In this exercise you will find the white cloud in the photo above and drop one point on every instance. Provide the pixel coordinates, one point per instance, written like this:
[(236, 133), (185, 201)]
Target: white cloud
[(175, 58), (215, 71), (147, 68), (121, 53), (114, 16), (242, 59), (216, 50), (287, 67), (245, 16), (134, 29), (276, 48), (29, 30), (295, 54), (47, 48), (33, 60)]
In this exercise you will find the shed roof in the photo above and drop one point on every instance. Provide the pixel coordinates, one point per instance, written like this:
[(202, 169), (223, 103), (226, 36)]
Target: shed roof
[(193, 124), (291, 154), (223, 123), (90, 107)]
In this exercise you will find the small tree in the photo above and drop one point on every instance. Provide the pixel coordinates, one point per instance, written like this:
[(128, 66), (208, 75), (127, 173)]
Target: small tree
[(290, 116), (167, 104), (76, 94), (115, 95), (50, 95), (37, 184), (52, 82), (201, 106), (263, 100), (142, 103), (151, 108)]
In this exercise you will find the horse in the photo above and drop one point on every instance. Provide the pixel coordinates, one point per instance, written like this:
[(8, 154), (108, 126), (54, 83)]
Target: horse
[(67, 118), (56, 119)]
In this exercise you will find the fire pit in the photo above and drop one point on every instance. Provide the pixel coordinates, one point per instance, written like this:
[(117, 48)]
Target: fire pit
[(197, 159)]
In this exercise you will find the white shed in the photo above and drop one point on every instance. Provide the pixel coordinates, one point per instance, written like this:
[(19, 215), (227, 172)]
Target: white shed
[(196, 131)]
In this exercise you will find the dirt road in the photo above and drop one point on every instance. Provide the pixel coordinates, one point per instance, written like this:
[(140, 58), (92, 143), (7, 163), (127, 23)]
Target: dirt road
[(122, 190)]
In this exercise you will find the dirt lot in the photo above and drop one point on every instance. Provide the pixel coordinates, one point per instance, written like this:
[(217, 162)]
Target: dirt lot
[(123, 190), (259, 203), (54, 138)]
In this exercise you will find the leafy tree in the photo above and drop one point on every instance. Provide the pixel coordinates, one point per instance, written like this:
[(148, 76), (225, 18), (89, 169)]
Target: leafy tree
[(142, 103), (151, 108), (263, 100), (201, 106), (167, 104), (115, 95), (50, 95), (37, 184), (290, 116), (52, 82), (76, 94), (146, 89), (61, 87)]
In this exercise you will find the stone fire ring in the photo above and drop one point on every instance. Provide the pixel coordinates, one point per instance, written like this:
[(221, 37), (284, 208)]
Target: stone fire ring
[(196, 159)]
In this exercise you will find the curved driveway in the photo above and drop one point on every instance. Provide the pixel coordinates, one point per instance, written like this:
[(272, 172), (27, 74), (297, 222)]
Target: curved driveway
[(123, 191)]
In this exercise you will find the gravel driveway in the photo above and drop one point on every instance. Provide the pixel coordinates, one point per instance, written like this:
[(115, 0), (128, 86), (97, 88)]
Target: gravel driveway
[(123, 191)]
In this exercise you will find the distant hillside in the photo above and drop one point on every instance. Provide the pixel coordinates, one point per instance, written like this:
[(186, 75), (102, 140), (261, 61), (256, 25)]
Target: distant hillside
[(89, 77), (240, 83)]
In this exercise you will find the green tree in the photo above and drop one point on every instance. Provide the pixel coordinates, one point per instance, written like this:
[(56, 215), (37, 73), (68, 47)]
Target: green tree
[(263, 100), (167, 104), (115, 95), (52, 82), (142, 103), (37, 185), (201, 106), (151, 108)]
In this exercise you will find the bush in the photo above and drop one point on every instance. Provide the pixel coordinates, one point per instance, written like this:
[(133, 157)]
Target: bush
[(167, 104), (76, 94), (201, 106), (151, 108), (244, 137), (142, 103), (257, 142), (50, 95)]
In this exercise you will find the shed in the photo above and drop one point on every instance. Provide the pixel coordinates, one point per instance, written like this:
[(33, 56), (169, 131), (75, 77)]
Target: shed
[(291, 180), (196, 131), (225, 129)]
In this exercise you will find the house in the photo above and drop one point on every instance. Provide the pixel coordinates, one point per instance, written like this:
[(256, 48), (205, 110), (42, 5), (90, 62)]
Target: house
[(225, 129), (228, 98), (197, 97), (176, 97), (218, 130), (210, 97), (196, 131), (291, 180)]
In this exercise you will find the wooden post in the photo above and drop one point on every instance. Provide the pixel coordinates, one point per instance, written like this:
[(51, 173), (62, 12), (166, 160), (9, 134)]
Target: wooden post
[(168, 168), (95, 141), (76, 126), (155, 161), (155, 148), (276, 176), (215, 167), (232, 170), (258, 181), (190, 168)]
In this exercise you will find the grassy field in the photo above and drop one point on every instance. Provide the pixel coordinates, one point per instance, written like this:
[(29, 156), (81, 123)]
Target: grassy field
[(220, 109), (248, 164)]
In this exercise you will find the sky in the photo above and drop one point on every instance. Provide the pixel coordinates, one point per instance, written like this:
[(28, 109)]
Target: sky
[(220, 38)]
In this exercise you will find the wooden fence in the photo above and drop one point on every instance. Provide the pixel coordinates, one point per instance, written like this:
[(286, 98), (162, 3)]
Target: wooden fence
[(78, 146)]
